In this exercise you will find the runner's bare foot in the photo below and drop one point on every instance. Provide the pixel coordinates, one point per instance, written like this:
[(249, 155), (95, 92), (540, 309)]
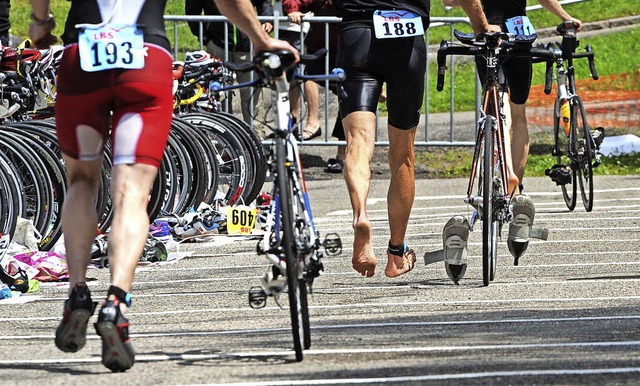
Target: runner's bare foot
[(363, 261), (398, 265)]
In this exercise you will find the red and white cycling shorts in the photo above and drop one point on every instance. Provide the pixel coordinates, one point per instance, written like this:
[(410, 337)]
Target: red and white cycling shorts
[(135, 107)]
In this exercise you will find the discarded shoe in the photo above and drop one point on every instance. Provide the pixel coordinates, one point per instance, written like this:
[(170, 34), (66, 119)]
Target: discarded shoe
[(334, 166), (71, 334), (161, 230), (117, 351), (454, 237), (520, 227), (16, 278)]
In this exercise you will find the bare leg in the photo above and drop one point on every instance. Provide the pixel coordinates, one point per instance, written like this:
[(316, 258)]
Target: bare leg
[(520, 141), (131, 185), (400, 196), (359, 130), (79, 218), (295, 97), (513, 183), (311, 95)]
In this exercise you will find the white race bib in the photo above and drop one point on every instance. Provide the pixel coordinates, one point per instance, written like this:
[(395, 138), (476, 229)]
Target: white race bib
[(111, 46), (520, 25), (397, 24)]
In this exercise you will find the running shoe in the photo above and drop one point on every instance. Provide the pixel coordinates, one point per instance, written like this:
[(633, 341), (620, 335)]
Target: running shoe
[(161, 230), (520, 227), (71, 334), (117, 351)]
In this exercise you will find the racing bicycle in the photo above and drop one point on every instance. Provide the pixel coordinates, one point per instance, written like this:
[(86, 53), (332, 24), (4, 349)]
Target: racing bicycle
[(487, 190), (576, 145), (291, 242)]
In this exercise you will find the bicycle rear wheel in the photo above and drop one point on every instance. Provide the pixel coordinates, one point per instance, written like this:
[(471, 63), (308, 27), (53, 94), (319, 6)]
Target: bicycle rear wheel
[(288, 245), (489, 229), (563, 151), (584, 152)]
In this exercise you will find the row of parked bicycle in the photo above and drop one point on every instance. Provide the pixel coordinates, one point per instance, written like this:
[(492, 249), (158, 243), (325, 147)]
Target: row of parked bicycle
[(211, 157)]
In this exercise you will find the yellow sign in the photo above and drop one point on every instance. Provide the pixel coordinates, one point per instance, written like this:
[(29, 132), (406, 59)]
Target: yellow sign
[(241, 219)]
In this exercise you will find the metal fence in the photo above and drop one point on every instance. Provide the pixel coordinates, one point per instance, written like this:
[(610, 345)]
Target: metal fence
[(439, 129)]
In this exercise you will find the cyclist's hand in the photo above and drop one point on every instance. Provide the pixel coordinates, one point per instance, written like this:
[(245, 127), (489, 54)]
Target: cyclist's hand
[(575, 21), (270, 44), (267, 27), (494, 28), (490, 28), (41, 35)]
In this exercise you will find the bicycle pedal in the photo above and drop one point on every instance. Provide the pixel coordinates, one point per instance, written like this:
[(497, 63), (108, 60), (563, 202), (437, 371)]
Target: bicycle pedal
[(257, 298), (560, 174), (332, 244)]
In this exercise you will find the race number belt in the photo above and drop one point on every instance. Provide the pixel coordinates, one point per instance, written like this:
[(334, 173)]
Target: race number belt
[(520, 25), (397, 24), (111, 46)]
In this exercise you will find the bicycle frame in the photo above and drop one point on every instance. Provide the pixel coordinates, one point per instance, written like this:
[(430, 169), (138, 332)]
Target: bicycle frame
[(291, 159)]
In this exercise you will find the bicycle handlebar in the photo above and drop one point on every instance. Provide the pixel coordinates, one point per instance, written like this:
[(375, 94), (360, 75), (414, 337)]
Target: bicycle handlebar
[(589, 54), (273, 64), (521, 48)]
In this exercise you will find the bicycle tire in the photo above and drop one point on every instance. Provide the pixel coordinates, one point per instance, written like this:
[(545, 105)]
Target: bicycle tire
[(232, 162), (288, 246), (584, 155), (52, 229), (206, 174), (34, 177), (252, 144), (184, 169), (563, 151), (12, 202), (487, 201)]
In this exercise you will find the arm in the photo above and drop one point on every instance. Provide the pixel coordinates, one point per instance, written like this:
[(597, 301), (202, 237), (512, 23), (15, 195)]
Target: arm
[(243, 15), (555, 8), (42, 23), (478, 19)]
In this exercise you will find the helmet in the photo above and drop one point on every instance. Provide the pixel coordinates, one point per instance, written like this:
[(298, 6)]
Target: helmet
[(197, 58)]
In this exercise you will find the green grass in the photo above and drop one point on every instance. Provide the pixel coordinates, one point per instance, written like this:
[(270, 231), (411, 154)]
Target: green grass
[(447, 162)]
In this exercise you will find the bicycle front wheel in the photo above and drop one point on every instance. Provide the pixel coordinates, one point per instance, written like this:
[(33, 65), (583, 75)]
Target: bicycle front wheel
[(295, 284), (488, 230), (584, 152), (563, 151)]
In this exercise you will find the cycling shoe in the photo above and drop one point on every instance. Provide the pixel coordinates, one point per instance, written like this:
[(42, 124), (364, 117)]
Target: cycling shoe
[(71, 334), (520, 227), (455, 235), (117, 351)]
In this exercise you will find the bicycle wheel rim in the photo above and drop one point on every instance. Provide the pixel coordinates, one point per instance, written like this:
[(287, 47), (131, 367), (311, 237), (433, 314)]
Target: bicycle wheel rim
[(562, 151), (584, 155), (487, 205), (288, 248)]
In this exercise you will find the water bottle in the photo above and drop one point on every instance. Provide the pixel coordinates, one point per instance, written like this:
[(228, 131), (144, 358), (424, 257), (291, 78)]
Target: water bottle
[(565, 116)]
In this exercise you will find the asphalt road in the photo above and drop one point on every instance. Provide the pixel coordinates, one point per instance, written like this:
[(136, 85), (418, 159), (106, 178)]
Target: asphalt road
[(568, 314)]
